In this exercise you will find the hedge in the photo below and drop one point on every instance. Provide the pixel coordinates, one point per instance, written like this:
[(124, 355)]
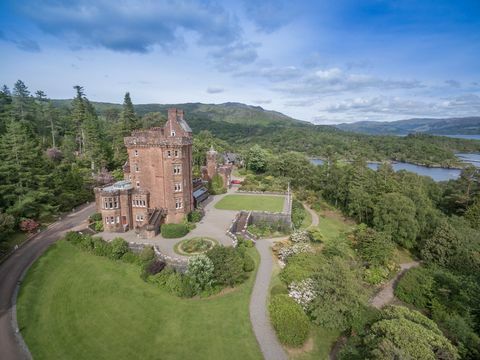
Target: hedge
[(171, 231), (288, 320)]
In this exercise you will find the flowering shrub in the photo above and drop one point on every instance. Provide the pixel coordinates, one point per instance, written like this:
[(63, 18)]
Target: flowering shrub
[(285, 252), (300, 236), (29, 225), (303, 292), (200, 270)]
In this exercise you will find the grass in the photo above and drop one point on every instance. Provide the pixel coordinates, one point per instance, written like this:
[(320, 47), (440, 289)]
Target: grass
[(74, 305), (402, 255), (323, 341), (194, 246), (307, 221), (251, 202)]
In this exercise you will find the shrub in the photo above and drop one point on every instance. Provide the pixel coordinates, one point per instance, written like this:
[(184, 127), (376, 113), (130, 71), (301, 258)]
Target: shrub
[(298, 213), (227, 264), (101, 247), (95, 217), (150, 268), (215, 186), (415, 287), (248, 263), (195, 216), (29, 225), (119, 247), (171, 231), (298, 248), (73, 237), (147, 254), (98, 226), (376, 275), (87, 243), (279, 289), (200, 271), (315, 235), (302, 292), (289, 320), (300, 267), (299, 236), (130, 258)]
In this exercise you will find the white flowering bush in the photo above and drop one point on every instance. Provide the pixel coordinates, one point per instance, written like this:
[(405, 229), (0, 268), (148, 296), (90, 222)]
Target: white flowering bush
[(287, 251), (200, 271), (303, 292), (299, 236)]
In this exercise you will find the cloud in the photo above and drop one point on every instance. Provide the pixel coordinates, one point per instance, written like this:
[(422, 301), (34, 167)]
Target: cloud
[(230, 57), (335, 80), (22, 43), (269, 15), (272, 73), (215, 90), (453, 83), (387, 108), (132, 26)]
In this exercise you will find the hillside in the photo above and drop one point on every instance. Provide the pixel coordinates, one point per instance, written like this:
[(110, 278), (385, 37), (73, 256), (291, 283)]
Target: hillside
[(448, 126), (231, 112)]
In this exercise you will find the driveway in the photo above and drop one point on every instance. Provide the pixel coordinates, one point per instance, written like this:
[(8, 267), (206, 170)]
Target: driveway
[(12, 271)]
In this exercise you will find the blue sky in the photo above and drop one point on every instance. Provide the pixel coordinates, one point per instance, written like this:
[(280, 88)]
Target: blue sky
[(321, 61)]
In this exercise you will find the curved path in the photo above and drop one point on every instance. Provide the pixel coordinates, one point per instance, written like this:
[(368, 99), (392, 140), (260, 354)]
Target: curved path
[(266, 337), (386, 295), (313, 213), (11, 273)]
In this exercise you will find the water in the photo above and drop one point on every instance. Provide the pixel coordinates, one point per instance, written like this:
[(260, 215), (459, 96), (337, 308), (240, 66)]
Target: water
[(468, 137), (437, 174)]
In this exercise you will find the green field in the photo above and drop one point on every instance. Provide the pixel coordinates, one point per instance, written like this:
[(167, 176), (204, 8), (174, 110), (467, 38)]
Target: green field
[(251, 202), (75, 305)]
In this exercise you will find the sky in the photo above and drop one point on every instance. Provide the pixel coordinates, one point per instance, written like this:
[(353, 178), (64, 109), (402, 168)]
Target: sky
[(329, 61)]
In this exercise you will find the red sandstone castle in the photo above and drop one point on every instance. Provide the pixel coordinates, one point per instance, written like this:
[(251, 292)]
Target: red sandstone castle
[(158, 180)]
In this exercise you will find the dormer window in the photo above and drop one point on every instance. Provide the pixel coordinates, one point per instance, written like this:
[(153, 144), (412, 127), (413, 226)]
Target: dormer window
[(172, 133)]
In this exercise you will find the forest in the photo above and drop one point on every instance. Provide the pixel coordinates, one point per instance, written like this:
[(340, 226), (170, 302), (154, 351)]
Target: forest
[(438, 223)]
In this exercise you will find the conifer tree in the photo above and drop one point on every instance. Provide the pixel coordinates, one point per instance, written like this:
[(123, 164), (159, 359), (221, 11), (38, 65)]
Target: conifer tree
[(6, 108), (23, 106), (128, 117)]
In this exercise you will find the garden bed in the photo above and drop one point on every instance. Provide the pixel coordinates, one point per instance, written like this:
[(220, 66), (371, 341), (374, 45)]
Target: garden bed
[(195, 246)]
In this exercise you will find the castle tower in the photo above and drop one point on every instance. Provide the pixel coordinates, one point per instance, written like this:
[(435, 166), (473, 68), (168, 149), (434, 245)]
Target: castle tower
[(211, 163)]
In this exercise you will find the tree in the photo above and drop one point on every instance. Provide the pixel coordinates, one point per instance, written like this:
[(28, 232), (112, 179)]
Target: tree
[(257, 159), (227, 264), (473, 214), (374, 247), (200, 270), (442, 246), (23, 104), (340, 296), (6, 108), (127, 116), (7, 222), (401, 333), (395, 215)]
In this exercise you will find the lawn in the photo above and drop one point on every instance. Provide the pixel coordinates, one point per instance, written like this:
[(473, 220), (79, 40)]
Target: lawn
[(75, 305), (251, 202)]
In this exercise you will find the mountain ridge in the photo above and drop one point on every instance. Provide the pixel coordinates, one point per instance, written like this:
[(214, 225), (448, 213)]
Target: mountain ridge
[(435, 126)]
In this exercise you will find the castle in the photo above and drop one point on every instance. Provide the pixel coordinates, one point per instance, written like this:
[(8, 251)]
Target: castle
[(158, 180), (212, 169)]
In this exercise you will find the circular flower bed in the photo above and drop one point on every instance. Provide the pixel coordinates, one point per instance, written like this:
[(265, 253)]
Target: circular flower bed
[(195, 246)]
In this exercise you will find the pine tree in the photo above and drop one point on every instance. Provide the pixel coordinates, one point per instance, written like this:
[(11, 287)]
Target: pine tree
[(23, 105), (79, 114), (128, 117), (6, 108)]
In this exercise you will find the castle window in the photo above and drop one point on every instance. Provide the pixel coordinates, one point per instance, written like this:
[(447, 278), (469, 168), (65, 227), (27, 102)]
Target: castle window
[(136, 152), (138, 183), (172, 133), (169, 153), (139, 218), (137, 169), (115, 203), (110, 220), (177, 169), (176, 153), (178, 203), (178, 187)]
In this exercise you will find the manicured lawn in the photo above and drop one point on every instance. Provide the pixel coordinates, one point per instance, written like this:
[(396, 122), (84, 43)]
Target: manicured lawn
[(251, 202), (74, 305)]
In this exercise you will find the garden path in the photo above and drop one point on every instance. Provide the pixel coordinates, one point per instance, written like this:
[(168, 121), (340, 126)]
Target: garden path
[(386, 295), (266, 337), (313, 213)]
